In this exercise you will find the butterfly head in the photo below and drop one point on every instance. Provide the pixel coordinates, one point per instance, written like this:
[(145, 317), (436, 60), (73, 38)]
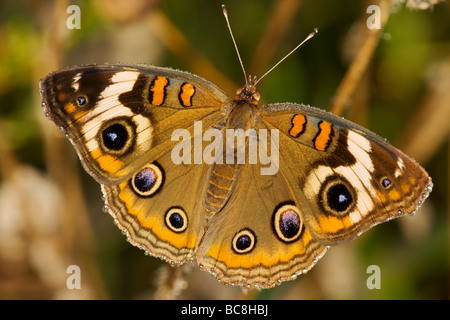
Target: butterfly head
[(248, 93)]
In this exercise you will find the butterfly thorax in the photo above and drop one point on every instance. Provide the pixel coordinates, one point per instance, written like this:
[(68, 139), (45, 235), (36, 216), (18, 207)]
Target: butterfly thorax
[(244, 107)]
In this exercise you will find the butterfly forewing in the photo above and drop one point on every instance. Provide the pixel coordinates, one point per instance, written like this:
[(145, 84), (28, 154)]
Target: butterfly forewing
[(120, 117), (345, 178)]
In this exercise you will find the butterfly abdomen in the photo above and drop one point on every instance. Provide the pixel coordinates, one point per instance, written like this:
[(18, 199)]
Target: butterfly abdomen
[(220, 186)]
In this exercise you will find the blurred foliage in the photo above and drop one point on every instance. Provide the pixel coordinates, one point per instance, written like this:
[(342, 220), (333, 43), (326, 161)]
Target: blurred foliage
[(51, 210)]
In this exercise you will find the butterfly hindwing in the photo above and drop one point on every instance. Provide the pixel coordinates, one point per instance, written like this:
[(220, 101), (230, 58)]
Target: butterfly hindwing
[(159, 210), (259, 238)]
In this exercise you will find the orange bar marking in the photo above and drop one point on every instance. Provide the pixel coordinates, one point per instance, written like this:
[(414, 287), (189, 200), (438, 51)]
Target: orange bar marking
[(323, 138), (298, 125), (187, 91), (158, 90)]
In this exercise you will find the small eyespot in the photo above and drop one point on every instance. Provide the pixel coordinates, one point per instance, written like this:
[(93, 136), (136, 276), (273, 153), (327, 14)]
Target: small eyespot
[(386, 183), (176, 219), (115, 137), (243, 241), (81, 100), (147, 181)]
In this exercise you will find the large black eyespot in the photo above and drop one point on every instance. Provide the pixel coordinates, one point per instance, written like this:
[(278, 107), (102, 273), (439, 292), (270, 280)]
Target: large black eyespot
[(176, 219), (287, 223), (148, 180), (243, 241), (337, 196), (117, 136)]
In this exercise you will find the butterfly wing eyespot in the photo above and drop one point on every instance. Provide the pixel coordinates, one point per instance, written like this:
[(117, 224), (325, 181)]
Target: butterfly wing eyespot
[(287, 222), (82, 100), (118, 136), (337, 196), (386, 182), (148, 180), (176, 219), (244, 241)]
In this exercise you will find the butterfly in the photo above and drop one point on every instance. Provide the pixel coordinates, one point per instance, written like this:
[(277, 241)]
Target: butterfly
[(255, 194)]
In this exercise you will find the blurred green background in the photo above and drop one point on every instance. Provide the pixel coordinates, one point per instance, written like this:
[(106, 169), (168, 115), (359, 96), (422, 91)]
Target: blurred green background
[(51, 211)]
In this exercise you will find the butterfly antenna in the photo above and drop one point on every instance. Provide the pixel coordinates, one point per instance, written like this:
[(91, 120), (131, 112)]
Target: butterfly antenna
[(225, 13), (312, 34)]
